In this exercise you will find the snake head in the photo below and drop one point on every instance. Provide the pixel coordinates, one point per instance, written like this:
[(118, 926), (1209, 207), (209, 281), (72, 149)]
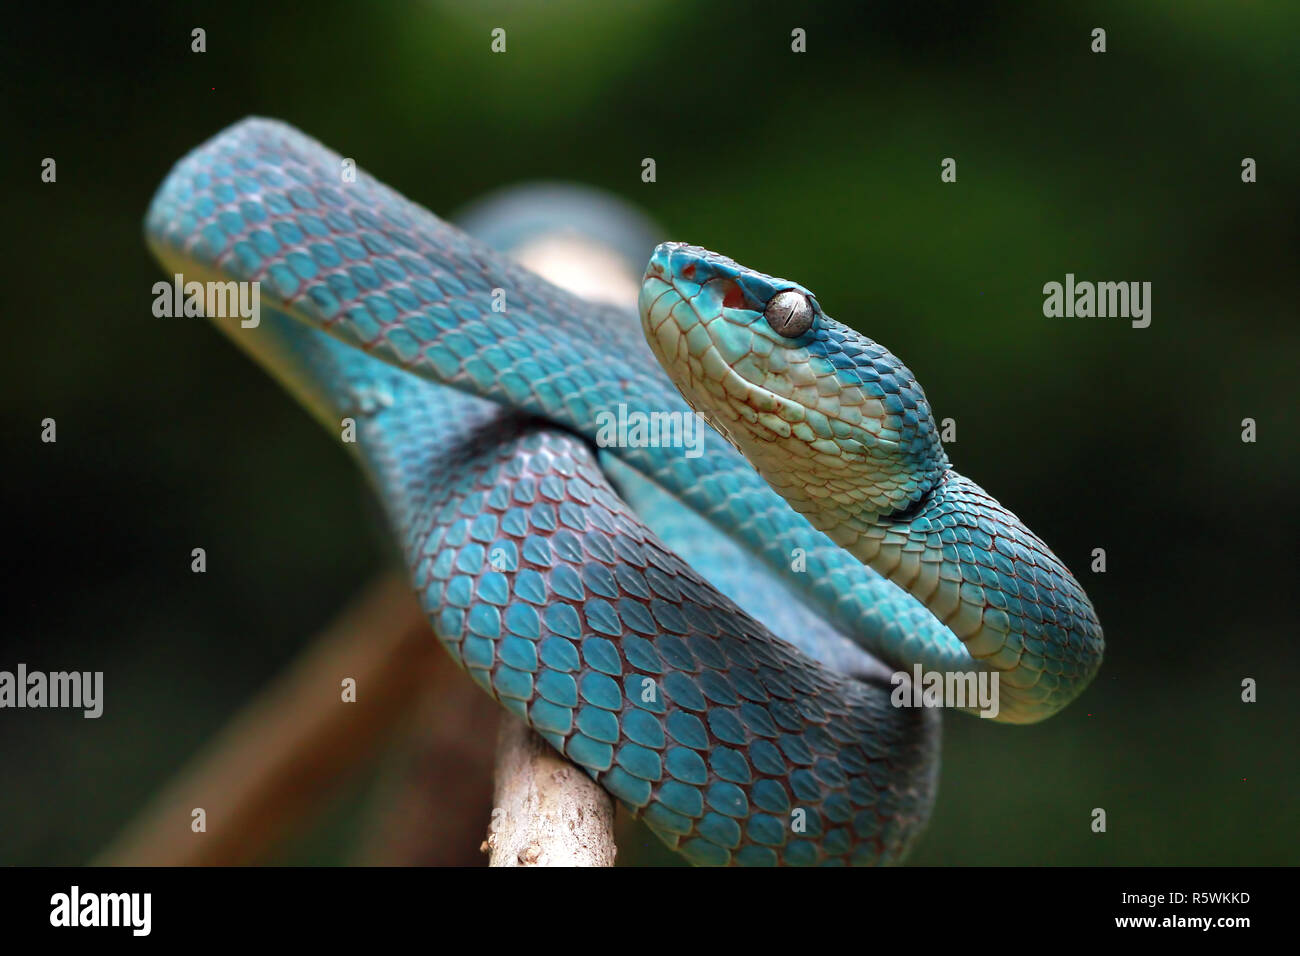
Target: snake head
[(832, 420)]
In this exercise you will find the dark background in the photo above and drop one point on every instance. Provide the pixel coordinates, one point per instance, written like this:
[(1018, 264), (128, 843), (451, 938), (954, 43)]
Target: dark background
[(821, 167)]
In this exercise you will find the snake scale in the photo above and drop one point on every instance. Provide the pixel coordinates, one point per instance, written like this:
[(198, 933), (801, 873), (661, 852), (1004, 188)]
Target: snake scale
[(743, 713)]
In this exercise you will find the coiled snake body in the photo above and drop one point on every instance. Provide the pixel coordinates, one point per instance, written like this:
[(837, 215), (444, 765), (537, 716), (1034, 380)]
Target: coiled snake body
[(476, 388)]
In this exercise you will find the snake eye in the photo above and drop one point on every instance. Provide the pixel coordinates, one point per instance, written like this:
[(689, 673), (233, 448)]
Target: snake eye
[(789, 313)]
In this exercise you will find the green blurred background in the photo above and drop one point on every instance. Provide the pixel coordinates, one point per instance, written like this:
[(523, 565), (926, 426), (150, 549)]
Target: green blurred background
[(822, 167)]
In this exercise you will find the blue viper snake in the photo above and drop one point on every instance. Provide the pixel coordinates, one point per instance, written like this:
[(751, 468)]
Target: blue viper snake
[(643, 610)]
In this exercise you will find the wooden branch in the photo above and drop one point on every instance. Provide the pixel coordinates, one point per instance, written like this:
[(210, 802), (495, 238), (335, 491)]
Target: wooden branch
[(547, 811), (272, 766)]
